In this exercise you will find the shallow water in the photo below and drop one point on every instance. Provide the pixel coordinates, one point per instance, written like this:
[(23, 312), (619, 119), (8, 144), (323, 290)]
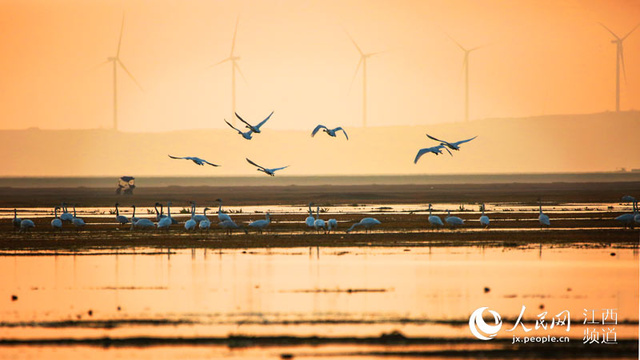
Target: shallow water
[(353, 292)]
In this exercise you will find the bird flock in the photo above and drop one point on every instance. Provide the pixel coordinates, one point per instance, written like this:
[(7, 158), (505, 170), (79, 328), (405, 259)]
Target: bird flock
[(313, 221), (256, 129)]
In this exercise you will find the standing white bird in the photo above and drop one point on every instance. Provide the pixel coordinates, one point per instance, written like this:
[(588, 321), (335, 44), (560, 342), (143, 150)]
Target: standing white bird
[(434, 150), (319, 223), (330, 132), (247, 134), (56, 223), (229, 225), (543, 218), (196, 160), (452, 145), (16, 220), (484, 219), (255, 129), (133, 216), (367, 223), (166, 222), (265, 170), (76, 221), (310, 219), (629, 219), (222, 216), (199, 218), (66, 215), (191, 223), (26, 225), (434, 220), (261, 224), (332, 224), (453, 221), (142, 224), (205, 224), (120, 218)]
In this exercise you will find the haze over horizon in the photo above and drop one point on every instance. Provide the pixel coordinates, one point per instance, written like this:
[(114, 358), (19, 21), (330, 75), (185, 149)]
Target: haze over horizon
[(537, 58)]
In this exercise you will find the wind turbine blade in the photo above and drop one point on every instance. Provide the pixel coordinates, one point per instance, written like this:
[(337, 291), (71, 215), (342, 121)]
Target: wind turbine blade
[(624, 70), (354, 42), (609, 30), (233, 41), (130, 75), (100, 64), (237, 67), (629, 33), (457, 43), (120, 40), (220, 62), (356, 72)]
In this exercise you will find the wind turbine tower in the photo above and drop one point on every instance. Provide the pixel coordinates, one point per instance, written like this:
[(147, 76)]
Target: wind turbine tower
[(465, 66), (116, 61), (619, 60), (234, 67), (363, 62)]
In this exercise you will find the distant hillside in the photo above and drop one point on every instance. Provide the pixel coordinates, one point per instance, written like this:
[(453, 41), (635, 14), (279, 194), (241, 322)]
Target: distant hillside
[(558, 143)]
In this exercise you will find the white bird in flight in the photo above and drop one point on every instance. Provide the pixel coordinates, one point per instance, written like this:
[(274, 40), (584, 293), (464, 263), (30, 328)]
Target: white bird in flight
[(255, 129), (434, 149), (196, 160), (265, 170), (331, 132), (247, 135), (453, 145)]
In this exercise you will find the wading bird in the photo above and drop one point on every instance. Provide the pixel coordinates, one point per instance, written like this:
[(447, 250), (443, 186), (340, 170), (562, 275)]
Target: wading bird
[(453, 145), (332, 224), (261, 224), (167, 221), (543, 218), (191, 223), (453, 221), (434, 149), (310, 219), (196, 160), (76, 221), (484, 219), (255, 129), (142, 224), (206, 223), (629, 219), (66, 215), (196, 217), (56, 223), (26, 225), (265, 170), (330, 132), (229, 225), (16, 220), (367, 223), (319, 223), (120, 218), (434, 220), (247, 134), (222, 216)]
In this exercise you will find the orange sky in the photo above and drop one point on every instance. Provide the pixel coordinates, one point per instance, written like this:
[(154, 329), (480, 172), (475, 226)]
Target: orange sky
[(541, 57)]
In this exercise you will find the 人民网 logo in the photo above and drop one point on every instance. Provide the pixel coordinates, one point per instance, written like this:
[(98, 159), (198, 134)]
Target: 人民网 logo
[(480, 329)]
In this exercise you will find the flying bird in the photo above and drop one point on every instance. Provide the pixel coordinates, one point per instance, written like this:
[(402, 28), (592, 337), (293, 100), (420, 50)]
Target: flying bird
[(247, 135), (255, 129), (265, 170), (196, 160), (453, 145), (434, 149), (331, 132)]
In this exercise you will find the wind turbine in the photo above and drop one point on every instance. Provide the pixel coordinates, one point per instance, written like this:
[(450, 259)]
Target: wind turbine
[(363, 62), (116, 61), (465, 65), (619, 60), (234, 66)]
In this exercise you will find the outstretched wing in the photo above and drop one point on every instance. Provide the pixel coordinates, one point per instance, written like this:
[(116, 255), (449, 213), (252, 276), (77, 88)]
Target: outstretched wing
[(464, 141), (446, 148), (254, 164), (280, 168), (433, 138), (317, 129), (263, 121), (205, 161), (420, 153), (233, 127), (339, 128), (176, 157), (241, 119)]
